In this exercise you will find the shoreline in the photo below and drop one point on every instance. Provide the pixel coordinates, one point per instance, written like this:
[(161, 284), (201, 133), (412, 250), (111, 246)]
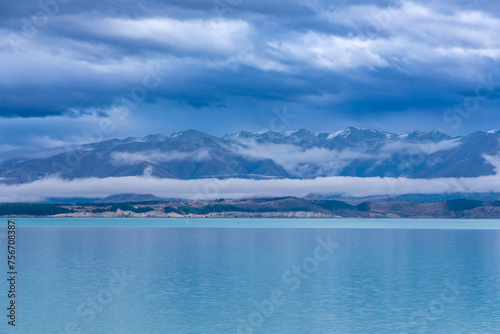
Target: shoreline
[(259, 208)]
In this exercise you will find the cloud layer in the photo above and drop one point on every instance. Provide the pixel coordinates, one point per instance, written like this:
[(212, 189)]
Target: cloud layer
[(205, 189)]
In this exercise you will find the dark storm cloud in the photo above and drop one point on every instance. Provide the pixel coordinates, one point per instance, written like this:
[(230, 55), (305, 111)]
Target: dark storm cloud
[(333, 60)]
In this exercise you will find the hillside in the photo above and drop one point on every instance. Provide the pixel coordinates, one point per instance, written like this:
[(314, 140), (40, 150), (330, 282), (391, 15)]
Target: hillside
[(281, 207)]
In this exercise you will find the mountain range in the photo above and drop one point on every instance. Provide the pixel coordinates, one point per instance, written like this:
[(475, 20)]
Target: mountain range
[(298, 154)]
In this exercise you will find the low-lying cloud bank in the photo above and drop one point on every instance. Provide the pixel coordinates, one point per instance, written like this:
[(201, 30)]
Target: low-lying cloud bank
[(157, 156), (204, 189)]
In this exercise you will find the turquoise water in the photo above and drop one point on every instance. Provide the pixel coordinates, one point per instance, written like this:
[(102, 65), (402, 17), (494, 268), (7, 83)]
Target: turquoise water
[(255, 276)]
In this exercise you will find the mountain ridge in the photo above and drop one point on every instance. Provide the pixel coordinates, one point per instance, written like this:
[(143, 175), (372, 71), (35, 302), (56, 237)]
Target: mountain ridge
[(299, 154)]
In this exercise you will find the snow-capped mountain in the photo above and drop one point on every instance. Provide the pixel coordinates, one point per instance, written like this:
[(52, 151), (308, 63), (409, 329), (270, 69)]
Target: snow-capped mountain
[(193, 154)]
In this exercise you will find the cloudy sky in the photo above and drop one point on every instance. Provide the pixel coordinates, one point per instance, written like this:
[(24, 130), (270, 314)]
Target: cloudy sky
[(80, 71)]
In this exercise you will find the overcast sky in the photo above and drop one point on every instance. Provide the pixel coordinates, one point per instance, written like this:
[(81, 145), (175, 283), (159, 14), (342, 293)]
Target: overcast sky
[(225, 65)]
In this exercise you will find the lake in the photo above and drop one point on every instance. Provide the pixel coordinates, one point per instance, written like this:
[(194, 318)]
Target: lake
[(254, 276)]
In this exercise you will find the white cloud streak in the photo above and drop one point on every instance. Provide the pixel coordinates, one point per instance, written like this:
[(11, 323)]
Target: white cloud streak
[(493, 160), (156, 156), (219, 36), (427, 148)]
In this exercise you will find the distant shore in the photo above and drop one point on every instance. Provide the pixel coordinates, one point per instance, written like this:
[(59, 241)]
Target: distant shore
[(275, 207)]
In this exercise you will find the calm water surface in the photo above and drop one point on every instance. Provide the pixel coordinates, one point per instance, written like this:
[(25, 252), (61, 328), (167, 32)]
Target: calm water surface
[(283, 276)]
